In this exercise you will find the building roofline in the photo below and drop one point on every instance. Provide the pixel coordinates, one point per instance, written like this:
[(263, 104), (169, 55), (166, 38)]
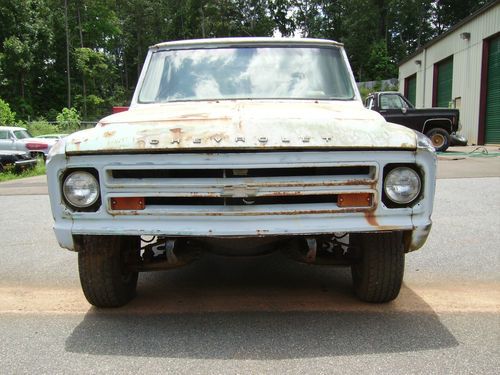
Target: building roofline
[(466, 20)]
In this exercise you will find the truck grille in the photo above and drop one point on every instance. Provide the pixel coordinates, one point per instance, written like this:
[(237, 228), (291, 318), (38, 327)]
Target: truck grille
[(239, 189), (238, 173)]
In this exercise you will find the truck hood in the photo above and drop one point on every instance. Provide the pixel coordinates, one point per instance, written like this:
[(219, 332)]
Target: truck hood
[(242, 125)]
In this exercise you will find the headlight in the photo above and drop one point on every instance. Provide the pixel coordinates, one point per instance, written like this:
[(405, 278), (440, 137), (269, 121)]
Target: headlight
[(81, 189), (402, 185)]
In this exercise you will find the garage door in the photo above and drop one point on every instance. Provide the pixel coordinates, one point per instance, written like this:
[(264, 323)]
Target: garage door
[(493, 93), (411, 89), (444, 83)]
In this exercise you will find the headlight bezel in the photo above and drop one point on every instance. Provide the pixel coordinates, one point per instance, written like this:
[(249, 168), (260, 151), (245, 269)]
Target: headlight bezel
[(389, 202), (94, 206)]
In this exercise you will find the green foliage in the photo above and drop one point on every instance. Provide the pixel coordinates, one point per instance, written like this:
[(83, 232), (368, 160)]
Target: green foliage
[(68, 120), (9, 174), (41, 127), (108, 40), (364, 92), (379, 64), (7, 117)]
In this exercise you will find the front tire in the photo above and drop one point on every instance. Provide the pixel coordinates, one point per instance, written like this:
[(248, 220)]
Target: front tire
[(440, 139), (378, 273), (104, 275)]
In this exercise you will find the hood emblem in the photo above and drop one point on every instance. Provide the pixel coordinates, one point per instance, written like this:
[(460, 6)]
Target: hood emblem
[(240, 139), (263, 139)]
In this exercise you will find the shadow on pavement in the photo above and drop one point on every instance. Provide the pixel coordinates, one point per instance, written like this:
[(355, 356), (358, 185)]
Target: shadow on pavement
[(259, 309)]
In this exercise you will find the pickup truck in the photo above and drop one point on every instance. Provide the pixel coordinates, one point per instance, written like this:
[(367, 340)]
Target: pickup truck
[(239, 147), (439, 124)]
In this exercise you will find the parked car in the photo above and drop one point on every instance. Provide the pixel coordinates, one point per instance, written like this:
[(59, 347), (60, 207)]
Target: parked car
[(439, 124), (17, 138), (55, 137), (17, 161), (241, 147)]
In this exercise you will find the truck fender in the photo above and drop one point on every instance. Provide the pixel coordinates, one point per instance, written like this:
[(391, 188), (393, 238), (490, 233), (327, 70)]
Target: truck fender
[(428, 124)]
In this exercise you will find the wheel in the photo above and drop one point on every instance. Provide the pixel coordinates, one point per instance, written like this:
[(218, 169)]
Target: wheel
[(440, 139), (378, 273), (105, 279)]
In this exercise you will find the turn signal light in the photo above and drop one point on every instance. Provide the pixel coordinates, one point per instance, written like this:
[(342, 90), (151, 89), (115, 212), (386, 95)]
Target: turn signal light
[(127, 203), (355, 200)]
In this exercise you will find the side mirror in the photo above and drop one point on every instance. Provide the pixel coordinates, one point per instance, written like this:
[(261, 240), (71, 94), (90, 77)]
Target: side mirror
[(404, 109)]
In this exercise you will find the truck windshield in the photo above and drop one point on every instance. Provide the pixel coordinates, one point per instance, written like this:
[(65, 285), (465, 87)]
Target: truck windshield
[(246, 73)]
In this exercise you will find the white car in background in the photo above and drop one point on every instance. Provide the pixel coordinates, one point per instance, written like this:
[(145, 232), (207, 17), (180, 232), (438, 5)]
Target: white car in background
[(52, 137), (17, 138)]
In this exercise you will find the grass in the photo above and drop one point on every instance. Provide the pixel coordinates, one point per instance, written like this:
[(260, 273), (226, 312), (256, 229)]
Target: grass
[(37, 171)]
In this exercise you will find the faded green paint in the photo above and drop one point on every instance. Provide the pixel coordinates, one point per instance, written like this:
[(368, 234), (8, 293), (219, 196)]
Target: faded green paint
[(493, 93), (444, 83)]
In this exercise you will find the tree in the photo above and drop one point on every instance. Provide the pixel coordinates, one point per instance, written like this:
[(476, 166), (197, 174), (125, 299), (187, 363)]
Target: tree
[(7, 117), (449, 12)]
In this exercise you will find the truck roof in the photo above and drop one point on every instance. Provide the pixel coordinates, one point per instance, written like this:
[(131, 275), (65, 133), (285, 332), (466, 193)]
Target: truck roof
[(225, 42)]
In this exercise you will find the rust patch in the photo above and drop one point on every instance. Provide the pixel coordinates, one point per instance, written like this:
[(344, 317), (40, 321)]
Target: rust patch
[(109, 133), (371, 219)]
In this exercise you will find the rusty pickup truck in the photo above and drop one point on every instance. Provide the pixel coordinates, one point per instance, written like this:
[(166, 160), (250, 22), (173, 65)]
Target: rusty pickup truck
[(242, 146)]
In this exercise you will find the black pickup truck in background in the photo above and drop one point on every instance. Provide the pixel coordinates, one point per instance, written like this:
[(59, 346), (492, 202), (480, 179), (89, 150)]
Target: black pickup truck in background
[(439, 124)]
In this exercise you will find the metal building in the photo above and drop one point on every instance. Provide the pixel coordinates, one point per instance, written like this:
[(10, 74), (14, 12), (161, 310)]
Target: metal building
[(461, 69)]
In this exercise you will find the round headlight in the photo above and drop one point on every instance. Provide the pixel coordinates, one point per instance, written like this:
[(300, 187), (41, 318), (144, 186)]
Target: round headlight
[(402, 185), (81, 189)]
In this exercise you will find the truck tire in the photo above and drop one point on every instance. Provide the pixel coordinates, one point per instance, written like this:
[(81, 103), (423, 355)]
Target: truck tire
[(440, 139), (378, 273), (104, 277)]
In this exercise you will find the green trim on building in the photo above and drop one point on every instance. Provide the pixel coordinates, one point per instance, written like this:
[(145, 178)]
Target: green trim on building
[(493, 93), (412, 89), (444, 83)]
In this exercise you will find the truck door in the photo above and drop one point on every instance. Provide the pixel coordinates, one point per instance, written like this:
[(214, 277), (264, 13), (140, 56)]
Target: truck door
[(394, 109)]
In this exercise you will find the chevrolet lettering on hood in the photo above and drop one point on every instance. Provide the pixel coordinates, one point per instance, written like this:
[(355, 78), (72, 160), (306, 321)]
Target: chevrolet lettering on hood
[(241, 147)]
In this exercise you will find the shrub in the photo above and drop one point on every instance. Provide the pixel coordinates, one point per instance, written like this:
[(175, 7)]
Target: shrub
[(68, 121), (40, 127), (7, 117)]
